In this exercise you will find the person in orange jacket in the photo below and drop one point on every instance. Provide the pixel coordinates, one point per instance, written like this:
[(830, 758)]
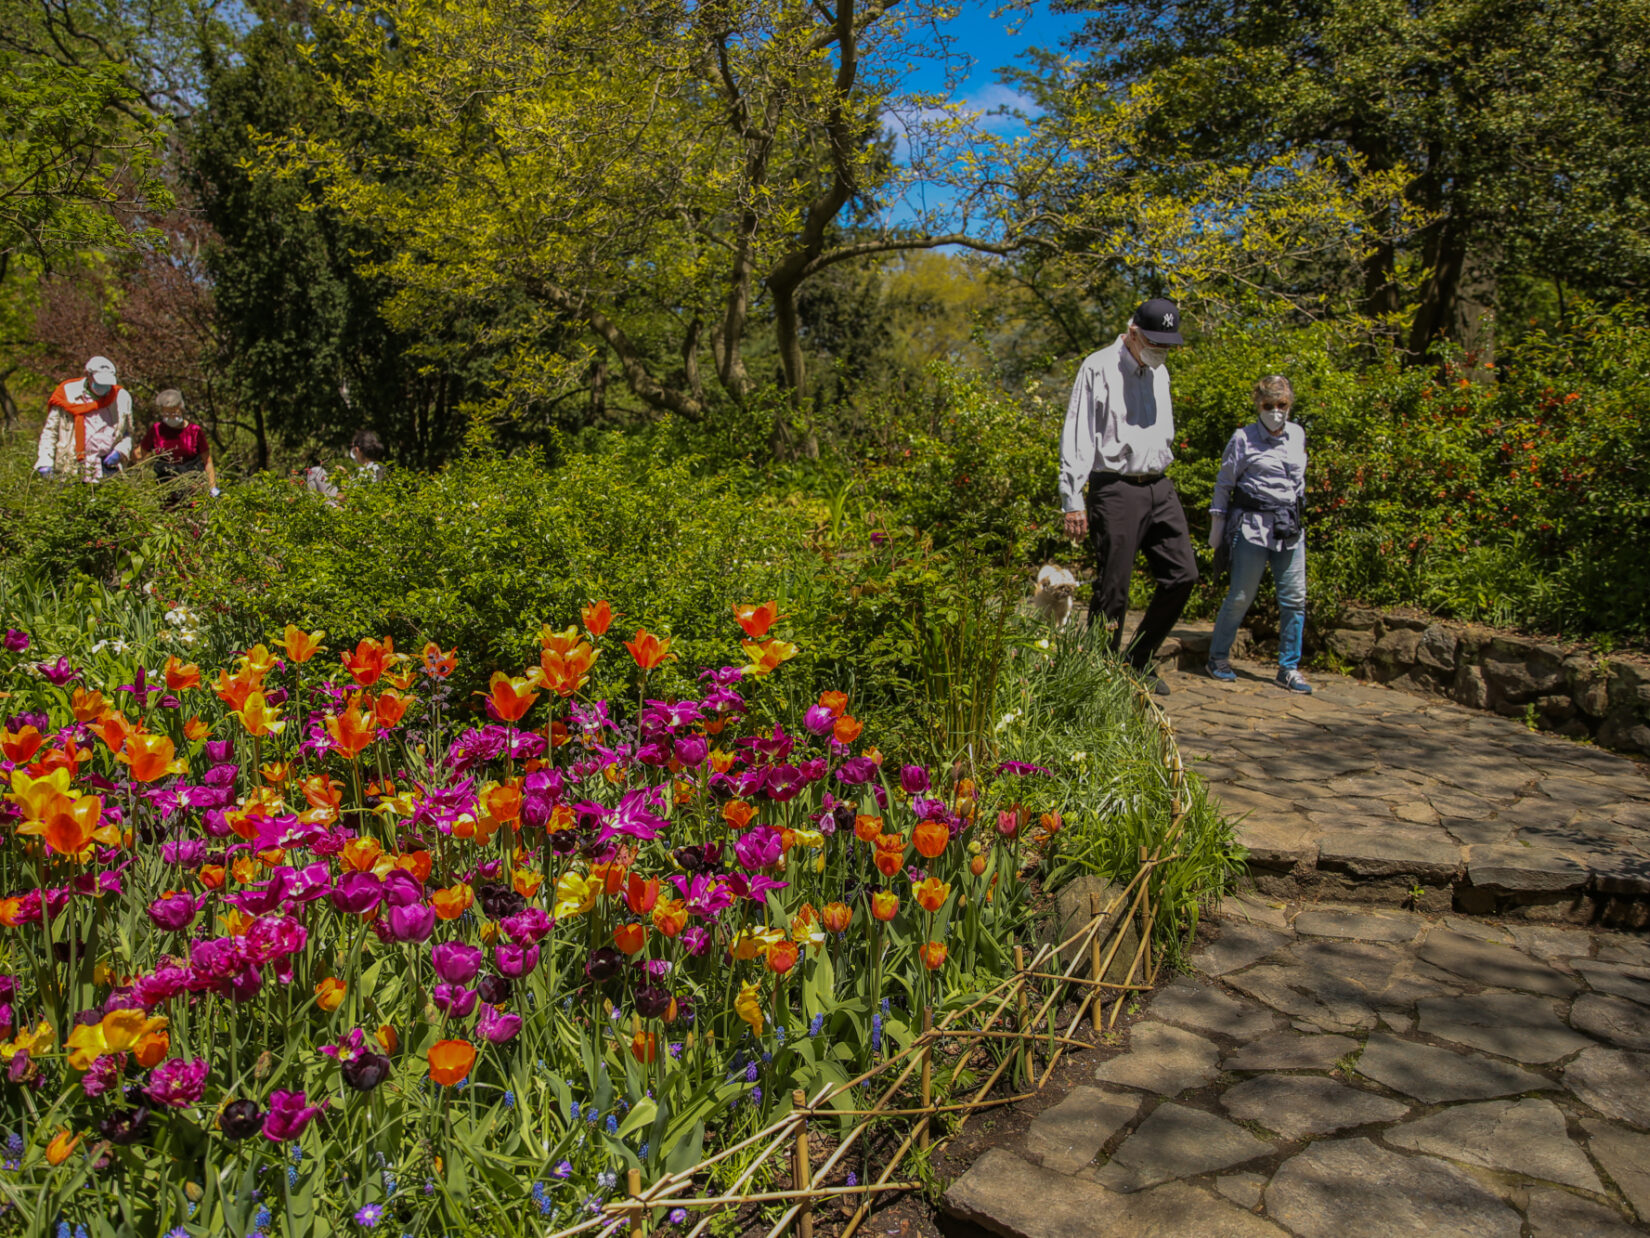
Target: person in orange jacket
[(88, 429)]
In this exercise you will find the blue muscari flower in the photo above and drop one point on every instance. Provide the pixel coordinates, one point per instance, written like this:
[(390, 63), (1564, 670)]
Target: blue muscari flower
[(14, 1144), (607, 1179), (297, 1153), (63, 1230), (541, 1197), (80, 1231), (853, 1178), (751, 1072), (779, 1031), (643, 1152), (509, 1099), (756, 1096), (292, 1177), (462, 1084), (612, 1124), (177, 1231), (263, 1217), (885, 1005), (429, 1186), (592, 1115), (766, 1058), (876, 1033), (818, 1022), (575, 1111)]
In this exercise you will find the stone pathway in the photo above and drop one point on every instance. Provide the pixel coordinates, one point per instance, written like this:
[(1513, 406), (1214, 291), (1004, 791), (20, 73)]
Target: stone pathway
[(1370, 793), (1348, 1072)]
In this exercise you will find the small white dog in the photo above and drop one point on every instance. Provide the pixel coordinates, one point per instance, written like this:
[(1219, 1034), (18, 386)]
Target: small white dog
[(1054, 594)]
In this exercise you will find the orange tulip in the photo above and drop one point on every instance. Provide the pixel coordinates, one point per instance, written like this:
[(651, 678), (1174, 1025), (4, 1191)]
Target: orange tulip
[(300, 645), (151, 1048), (890, 854), (670, 917), (257, 662), (930, 838), (369, 661), (388, 1037), (768, 656), (418, 863), (112, 728), (87, 706), (643, 1046), (933, 955), (450, 1061), (453, 901), (259, 718), (756, 619), (150, 757), (320, 791), (836, 917), (388, 709), (439, 665), (846, 729), (351, 731), (885, 905), (526, 882), (276, 772), (233, 690), (243, 870), (836, 702), (503, 803), (329, 994), (781, 957), (630, 938), (738, 814), (641, 893), (511, 698), (977, 866), (195, 730), (649, 650), (867, 828), (61, 1148), (212, 876), (20, 746), (931, 894), (1051, 822), (360, 855), (71, 830), (598, 617), (564, 672), (180, 677)]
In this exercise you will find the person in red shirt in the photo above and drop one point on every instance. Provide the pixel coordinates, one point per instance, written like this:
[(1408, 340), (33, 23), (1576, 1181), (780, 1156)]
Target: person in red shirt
[(178, 445)]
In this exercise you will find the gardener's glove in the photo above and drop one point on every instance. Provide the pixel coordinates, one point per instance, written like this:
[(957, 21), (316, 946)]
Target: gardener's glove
[(1217, 530), (45, 470), (112, 460), (216, 492)]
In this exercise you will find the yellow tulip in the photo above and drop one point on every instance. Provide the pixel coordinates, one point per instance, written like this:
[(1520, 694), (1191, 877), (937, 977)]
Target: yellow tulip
[(748, 1006), (575, 894)]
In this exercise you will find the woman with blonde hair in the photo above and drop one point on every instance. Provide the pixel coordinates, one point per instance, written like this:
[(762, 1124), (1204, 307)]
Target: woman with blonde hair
[(1256, 514)]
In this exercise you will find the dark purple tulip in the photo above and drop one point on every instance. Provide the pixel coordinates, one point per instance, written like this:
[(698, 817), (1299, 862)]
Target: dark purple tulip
[(603, 964), (125, 1127), (913, 779), (414, 922), (365, 1071), (455, 962), (499, 900), (652, 1002), (494, 990), (16, 641), (240, 1119)]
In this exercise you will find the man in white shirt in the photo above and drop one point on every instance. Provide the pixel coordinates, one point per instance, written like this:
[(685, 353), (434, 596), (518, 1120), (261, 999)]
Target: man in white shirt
[(88, 426), (1118, 439)]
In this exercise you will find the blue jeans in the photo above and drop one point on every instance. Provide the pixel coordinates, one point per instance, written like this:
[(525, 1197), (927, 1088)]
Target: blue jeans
[(1288, 575)]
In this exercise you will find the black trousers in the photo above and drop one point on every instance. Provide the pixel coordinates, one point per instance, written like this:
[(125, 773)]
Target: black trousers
[(1128, 516)]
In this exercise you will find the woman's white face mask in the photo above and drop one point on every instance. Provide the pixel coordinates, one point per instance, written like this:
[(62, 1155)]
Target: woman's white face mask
[(1274, 417), (173, 423)]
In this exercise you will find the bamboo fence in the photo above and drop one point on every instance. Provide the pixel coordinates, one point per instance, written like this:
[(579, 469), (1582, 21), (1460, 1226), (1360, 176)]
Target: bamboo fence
[(957, 1036)]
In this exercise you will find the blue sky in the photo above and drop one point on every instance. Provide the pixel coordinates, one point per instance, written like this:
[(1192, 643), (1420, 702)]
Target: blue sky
[(992, 44)]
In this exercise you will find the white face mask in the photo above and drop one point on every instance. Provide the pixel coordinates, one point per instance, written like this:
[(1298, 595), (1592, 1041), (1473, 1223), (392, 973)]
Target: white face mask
[(172, 423), (1274, 419), (96, 388), (1153, 355)]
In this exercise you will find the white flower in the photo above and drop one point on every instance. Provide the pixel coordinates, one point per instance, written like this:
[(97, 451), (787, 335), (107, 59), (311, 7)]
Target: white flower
[(1006, 719), (1043, 644), (1079, 756)]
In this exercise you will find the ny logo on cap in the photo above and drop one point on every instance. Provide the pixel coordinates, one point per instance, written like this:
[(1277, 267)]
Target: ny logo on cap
[(1168, 321)]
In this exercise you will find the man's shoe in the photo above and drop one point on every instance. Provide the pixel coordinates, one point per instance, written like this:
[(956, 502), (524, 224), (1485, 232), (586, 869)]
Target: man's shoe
[(1294, 681), (1149, 681), (1222, 671)]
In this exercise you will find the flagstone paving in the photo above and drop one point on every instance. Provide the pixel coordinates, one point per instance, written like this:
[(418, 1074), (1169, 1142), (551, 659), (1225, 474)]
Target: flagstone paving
[(1366, 793), (1443, 1076)]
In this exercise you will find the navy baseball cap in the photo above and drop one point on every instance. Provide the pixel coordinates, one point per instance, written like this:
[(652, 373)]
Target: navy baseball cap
[(1159, 321)]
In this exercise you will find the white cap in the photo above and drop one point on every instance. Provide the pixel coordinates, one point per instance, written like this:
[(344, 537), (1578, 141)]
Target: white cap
[(101, 370)]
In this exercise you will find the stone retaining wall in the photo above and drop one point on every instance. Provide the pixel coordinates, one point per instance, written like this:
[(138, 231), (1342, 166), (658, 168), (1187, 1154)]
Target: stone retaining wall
[(1577, 693)]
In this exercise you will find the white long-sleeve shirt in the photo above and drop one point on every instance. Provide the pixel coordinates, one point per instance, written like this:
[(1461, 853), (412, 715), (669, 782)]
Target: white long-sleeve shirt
[(107, 429), (1119, 420), (1271, 467)]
